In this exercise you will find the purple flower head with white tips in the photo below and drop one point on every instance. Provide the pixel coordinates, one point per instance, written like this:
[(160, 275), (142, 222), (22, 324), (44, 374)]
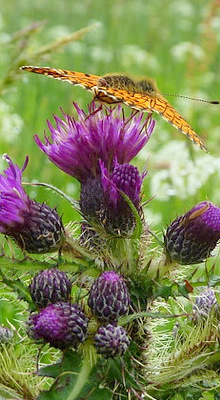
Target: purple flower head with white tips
[(77, 145), (62, 325), (109, 297)]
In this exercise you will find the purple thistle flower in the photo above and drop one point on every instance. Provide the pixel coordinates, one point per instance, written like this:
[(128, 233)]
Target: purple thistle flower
[(96, 149), (111, 341), (62, 325), (76, 146), (191, 237), (50, 286), (35, 227), (109, 298)]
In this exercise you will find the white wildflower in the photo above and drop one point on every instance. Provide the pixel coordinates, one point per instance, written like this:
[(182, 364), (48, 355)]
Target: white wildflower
[(183, 49), (11, 124)]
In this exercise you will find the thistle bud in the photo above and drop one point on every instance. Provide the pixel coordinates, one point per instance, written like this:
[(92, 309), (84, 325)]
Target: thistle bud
[(111, 341), (191, 237), (109, 297), (204, 304), (125, 179), (62, 325), (42, 232), (6, 334), (50, 286)]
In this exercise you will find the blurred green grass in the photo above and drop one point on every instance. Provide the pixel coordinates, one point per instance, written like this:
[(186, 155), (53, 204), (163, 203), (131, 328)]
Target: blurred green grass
[(175, 42)]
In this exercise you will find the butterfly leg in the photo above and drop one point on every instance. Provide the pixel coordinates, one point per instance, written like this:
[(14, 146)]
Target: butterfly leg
[(105, 99)]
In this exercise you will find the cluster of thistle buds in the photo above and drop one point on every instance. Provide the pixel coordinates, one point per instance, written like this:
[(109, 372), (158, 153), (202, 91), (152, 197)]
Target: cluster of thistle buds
[(57, 322), (109, 300), (65, 325)]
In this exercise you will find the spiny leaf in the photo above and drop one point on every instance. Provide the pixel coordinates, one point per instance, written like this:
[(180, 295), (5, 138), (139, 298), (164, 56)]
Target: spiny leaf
[(70, 361), (22, 290), (67, 374), (131, 317), (100, 394), (114, 372)]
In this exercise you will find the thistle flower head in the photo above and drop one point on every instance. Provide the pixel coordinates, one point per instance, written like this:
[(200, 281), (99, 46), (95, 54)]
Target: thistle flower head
[(111, 341), (109, 297), (35, 227), (62, 325), (191, 237), (77, 145), (96, 148), (204, 304), (50, 286)]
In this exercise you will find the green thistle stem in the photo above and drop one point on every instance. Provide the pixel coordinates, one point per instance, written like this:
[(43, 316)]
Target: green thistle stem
[(160, 267), (71, 245), (138, 228), (125, 253), (87, 366)]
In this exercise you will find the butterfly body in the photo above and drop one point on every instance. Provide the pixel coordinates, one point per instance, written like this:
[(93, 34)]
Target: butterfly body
[(141, 95)]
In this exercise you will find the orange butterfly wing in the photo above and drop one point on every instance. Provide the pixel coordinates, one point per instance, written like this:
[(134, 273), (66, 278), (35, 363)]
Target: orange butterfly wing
[(139, 101), (87, 81), (145, 102)]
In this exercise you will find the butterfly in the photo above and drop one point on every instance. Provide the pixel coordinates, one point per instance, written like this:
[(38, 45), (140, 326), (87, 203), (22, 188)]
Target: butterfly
[(141, 95)]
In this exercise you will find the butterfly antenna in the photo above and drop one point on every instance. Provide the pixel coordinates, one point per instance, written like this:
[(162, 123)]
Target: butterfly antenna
[(194, 99)]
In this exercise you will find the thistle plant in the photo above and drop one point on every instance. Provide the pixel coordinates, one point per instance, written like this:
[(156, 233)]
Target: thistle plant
[(111, 317)]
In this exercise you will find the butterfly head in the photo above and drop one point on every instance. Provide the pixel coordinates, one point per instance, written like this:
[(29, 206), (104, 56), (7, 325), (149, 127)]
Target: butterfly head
[(147, 86)]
